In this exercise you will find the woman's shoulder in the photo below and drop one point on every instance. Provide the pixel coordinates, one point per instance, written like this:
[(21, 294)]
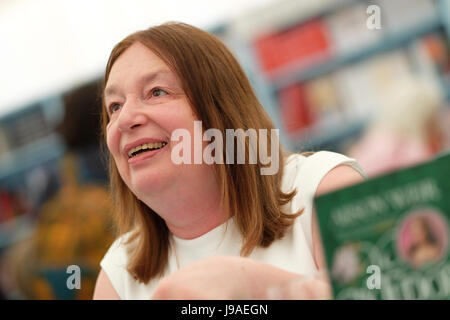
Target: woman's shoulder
[(115, 261), (318, 158), (118, 252), (306, 170)]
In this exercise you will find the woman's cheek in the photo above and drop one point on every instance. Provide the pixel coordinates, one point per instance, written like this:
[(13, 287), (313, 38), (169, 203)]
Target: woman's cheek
[(113, 141)]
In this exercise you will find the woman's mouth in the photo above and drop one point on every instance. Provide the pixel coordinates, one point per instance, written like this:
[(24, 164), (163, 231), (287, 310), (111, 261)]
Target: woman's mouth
[(144, 151), (146, 147)]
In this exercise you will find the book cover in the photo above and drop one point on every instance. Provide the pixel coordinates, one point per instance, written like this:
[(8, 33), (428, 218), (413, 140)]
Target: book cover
[(388, 237), (295, 48), (348, 29), (295, 111), (402, 15)]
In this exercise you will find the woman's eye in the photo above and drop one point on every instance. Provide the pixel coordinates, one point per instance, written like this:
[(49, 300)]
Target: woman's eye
[(114, 107), (157, 92)]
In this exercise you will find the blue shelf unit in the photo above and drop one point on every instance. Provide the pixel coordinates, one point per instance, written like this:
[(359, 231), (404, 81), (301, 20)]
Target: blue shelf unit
[(34, 145)]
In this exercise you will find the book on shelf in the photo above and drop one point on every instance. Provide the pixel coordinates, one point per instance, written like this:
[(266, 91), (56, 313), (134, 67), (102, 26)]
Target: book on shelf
[(401, 15), (6, 206), (364, 86), (12, 205), (388, 237), (322, 96), (4, 146), (348, 30), (295, 48), (355, 90), (296, 113), (431, 55)]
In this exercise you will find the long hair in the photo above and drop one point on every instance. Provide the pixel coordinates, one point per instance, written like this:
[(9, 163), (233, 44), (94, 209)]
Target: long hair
[(222, 98)]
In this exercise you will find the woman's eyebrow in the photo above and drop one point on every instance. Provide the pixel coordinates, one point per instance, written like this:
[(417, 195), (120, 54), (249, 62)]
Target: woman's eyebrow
[(150, 77)]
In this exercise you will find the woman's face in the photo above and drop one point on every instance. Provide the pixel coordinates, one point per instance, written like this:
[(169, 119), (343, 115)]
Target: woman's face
[(146, 103), (418, 231)]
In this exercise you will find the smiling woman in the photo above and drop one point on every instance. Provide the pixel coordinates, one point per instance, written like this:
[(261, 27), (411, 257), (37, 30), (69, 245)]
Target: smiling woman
[(192, 230)]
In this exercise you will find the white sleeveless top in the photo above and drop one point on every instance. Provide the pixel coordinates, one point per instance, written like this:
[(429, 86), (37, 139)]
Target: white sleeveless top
[(294, 252)]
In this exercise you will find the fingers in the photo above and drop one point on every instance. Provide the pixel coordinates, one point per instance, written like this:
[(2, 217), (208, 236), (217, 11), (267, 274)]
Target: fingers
[(304, 288)]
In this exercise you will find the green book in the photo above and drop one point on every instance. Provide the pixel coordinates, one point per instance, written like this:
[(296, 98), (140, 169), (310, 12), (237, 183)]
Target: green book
[(388, 237)]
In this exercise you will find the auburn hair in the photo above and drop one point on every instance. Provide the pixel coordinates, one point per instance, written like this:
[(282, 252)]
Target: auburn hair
[(222, 98)]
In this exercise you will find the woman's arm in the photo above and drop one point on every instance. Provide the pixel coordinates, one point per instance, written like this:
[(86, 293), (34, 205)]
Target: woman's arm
[(337, 178), (104, 289), (318, 287)]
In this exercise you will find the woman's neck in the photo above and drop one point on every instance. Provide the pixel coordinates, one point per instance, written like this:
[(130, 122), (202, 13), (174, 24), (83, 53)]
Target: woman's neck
[(190, 210)]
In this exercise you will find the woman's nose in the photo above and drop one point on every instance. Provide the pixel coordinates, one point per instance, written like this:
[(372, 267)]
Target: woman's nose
[(130, 117)]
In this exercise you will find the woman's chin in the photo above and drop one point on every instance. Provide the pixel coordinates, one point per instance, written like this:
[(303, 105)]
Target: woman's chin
[(149, 182)]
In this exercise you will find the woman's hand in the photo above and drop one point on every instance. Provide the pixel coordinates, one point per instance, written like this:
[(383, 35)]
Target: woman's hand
[(237, 278), (303, 288), (213, 278)]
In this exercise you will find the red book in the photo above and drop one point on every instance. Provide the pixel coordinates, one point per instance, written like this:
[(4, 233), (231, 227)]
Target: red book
[(6, 208), (301, 46), (295, 111)]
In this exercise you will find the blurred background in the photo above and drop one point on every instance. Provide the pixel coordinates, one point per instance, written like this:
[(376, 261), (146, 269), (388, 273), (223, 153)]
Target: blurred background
[(370, 79)]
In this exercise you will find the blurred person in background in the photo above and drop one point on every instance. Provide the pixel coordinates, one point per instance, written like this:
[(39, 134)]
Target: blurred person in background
[(73, 227), (204, 231), (405, 129)]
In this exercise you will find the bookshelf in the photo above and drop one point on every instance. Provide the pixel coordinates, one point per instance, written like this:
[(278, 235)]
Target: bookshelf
[(30, 138), (29, 148), (272, 77), (390, 42)]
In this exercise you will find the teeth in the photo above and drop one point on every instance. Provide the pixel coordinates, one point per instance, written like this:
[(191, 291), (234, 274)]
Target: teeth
[(151, 145)]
